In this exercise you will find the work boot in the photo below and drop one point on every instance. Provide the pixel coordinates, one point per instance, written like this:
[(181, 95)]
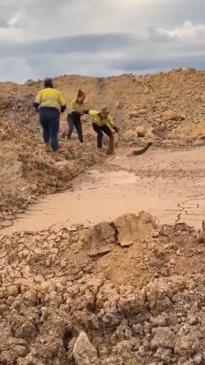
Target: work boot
[(47, 147), (55, 155), (111, 147)]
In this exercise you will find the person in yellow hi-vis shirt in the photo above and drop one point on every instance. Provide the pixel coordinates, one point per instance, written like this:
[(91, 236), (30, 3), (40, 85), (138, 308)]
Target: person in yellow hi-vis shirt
[(50, 103), (74, 117), (103, 124)]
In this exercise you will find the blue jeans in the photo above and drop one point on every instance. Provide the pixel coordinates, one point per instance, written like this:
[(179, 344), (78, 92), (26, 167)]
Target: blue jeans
[(74, 121), (50, 121)]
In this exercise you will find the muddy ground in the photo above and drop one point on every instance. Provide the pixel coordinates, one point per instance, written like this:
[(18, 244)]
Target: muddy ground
[(85, 276), (126, 291), (167, 183)]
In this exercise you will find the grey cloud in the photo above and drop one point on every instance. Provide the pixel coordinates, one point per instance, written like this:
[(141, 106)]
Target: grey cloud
[(7, 10), (3, 23), (177, 11), (94, 37), (157, 63), (76, 44)]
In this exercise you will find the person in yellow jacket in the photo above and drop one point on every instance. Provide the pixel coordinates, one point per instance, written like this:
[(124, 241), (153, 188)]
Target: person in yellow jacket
[(74, 117), (103, 124), (50, 103)]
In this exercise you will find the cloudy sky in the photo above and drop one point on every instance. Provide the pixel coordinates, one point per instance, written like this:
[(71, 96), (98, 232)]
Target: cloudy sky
[(41, 38)]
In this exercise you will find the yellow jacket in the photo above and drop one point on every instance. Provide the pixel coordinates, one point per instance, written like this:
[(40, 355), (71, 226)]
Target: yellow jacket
[(99, 121), (50, 98), (76, 107)]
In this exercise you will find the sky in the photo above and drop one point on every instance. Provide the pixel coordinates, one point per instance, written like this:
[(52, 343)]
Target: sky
[(46, 38)]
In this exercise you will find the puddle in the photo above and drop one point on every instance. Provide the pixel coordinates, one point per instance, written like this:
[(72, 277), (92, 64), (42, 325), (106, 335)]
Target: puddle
[(169, 185)]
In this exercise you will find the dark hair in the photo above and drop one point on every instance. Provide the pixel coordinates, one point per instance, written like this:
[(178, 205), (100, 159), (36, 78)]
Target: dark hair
[(105, 109), (48, 83), (80, 93)]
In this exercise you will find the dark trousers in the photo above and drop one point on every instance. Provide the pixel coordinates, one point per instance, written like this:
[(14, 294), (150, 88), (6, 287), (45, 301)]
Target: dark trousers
[(100, 130), (74, 121), (50, 121)]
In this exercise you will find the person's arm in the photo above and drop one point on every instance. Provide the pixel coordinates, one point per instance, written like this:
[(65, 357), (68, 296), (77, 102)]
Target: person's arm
[(112, 125), (62, 102), (37, 101)]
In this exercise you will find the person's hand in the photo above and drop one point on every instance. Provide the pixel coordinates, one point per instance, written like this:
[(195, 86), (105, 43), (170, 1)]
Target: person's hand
[(116, 129)]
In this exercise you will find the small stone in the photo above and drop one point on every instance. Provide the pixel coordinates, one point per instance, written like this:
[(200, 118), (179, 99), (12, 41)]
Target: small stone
[(160, 321), (193, 319), (12, 291), (173, 261), (84, 352), (142, 111), (138, 329), (141, 132), (142, 351), (163, 354), (198, 358), (99, 252), (20, 351), (163, 337), (63, 264), (133, 114), (27, 330)]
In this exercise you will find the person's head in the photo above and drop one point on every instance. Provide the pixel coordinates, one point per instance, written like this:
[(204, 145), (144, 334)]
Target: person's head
[(80, 96), (104, 113), (48, 83)]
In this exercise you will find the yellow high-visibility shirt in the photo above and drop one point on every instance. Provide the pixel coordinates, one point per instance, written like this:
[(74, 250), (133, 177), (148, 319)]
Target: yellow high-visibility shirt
[(76, 107), (51, 98), (101, 121)]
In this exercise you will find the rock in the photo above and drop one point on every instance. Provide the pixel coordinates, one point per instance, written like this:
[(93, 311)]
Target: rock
[(164, 338), (27, 330), (133, 114), (160, 321), (192, 319), (12, 291), (168, 115), (142, 111), (84, 352), (126, 230), (141, 131), (163, 354), (198, 358), (20, 351), (100, 252), (184, 343)]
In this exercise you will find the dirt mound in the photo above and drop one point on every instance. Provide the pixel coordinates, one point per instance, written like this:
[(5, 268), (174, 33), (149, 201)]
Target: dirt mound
[(134, 288)]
